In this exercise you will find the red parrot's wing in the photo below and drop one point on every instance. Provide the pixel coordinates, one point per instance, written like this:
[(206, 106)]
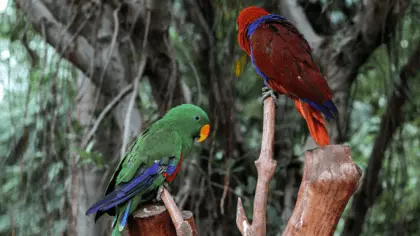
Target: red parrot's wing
[(281, 53)]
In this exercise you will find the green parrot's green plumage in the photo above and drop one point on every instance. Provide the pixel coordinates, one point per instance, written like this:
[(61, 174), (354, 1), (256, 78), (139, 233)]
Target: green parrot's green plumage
[(154, 158)]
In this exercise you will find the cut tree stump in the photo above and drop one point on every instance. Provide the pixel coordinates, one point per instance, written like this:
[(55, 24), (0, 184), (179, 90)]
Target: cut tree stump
[(154, 220), (330, 178)]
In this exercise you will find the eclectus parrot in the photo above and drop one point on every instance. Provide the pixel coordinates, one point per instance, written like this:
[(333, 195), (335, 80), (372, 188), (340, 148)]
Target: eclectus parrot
[(282, 57), (153, 160)]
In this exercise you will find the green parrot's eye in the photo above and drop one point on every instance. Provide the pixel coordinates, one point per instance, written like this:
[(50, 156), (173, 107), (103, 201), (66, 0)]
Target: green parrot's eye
[(196, 117)]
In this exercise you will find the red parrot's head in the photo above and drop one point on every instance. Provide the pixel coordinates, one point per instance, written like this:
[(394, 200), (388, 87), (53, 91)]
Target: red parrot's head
[(246, 17)]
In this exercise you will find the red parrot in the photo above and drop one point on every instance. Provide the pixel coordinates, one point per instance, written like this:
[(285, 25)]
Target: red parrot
[(282, 57)]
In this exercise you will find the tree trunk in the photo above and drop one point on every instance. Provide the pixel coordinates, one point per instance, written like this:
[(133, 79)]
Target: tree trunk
[(88, 185), (104, 40)]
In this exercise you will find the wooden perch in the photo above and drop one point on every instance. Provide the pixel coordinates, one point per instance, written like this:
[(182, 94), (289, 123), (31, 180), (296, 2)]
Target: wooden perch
[(158, 220), (266, 167), (330, 178)]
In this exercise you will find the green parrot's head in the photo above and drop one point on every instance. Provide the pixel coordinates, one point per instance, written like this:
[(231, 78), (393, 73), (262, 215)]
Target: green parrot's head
[(190, 120)]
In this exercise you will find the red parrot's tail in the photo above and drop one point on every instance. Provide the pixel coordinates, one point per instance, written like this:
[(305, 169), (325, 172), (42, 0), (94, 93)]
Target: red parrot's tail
[(315, 121)]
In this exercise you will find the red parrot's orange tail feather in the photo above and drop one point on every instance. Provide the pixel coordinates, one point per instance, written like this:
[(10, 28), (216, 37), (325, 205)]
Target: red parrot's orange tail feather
[(315, 121)]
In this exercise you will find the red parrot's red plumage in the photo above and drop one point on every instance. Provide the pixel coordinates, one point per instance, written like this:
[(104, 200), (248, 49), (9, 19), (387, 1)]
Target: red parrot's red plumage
[(282, 56)]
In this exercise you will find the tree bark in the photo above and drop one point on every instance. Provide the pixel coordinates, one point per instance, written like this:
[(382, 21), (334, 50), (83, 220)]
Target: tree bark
[(154, 220), (162, 220), (391, 120), (92, 51), (87, 185), (330, 178)]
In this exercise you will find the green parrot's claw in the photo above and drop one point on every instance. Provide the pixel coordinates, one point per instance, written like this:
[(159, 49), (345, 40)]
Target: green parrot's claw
[(166, 185), (160, 190), (159, 193), (268, 92)]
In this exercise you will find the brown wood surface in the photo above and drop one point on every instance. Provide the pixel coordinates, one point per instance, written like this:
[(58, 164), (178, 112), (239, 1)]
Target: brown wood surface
[(330, 178), (154, 220)]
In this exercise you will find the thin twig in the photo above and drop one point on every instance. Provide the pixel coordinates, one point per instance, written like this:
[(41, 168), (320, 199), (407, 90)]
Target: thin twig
[(225, 190), (110, 52), (195, 72), (136, 82), (266, 167), (103, 114)]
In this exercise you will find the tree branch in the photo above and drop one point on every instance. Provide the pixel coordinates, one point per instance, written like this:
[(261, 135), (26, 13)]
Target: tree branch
[(266, 167), (391, 120), (101, 116), (136, 81), (182, 227), (296, 14), (81, 53)]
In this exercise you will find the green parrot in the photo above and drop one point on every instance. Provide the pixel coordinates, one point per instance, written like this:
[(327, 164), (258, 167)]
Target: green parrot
[(152, 161)]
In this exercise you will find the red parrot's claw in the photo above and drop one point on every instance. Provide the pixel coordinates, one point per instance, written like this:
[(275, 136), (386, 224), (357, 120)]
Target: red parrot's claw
[(268, 92)]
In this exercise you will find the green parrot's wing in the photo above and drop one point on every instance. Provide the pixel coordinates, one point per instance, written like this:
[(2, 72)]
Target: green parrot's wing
[(158, 149), (112, 182), (161, 145), (135, 145)]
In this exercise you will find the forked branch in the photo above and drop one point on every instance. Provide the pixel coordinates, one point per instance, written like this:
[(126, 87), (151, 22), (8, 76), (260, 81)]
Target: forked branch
[(330, 178), (266, 167)]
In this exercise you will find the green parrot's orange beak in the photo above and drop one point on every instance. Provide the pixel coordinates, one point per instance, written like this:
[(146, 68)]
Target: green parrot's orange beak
[(204, 132)]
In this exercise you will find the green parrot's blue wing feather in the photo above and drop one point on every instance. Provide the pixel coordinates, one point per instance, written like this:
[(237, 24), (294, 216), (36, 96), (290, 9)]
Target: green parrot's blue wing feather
[(126, 191), (141, 168), (125, 217)]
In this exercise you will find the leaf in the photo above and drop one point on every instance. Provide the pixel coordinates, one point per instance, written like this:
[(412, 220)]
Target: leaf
[(4, 223), (54, 170)]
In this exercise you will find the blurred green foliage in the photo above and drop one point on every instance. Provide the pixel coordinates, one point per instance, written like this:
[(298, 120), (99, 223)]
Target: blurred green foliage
[(38, 129), (34, 137)]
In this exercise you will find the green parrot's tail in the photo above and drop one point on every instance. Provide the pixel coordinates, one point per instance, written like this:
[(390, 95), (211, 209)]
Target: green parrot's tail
[(124, 217), (120, 220), (116, 232), (122, 213)]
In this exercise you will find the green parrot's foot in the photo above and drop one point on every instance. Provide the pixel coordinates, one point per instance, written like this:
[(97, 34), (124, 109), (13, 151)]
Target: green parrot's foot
[(268, 92), (160, 190)]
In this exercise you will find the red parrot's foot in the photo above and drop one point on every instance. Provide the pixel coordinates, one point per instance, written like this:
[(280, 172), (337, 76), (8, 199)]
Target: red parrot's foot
[(268, 92), (160, 190)]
